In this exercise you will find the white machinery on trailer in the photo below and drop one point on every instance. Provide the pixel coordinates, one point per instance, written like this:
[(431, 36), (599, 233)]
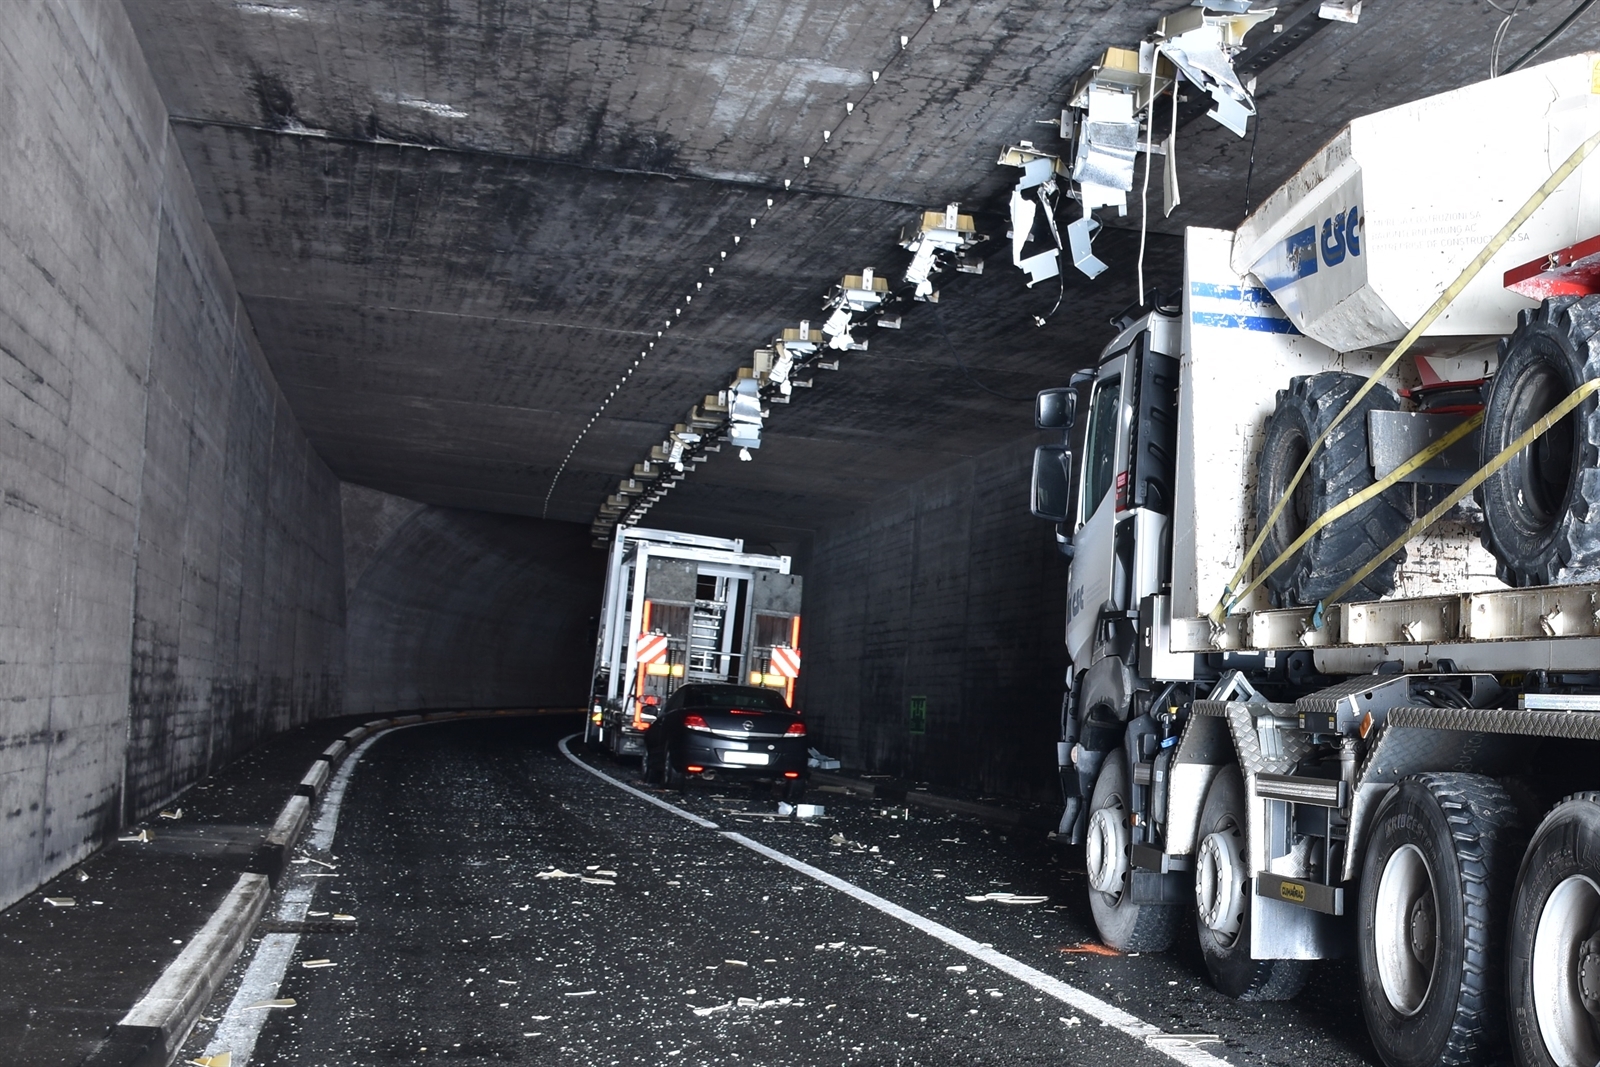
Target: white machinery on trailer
[(687, 608), (1363, 747)]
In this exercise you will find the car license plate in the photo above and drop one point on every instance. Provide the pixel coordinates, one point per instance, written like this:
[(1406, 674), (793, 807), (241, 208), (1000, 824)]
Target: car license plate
[(751, 758)]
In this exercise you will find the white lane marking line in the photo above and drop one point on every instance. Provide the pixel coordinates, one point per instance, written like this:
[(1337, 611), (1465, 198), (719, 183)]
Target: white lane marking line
[(641, 794), (240, 1028), (1153, 1037)]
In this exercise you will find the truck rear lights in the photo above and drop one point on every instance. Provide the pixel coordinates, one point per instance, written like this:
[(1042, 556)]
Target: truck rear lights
[(695, 722), (796, 729)]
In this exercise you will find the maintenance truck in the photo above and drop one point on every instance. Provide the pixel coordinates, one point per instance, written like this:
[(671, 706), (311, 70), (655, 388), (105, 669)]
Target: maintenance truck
[(1334, 594), (687, 608)]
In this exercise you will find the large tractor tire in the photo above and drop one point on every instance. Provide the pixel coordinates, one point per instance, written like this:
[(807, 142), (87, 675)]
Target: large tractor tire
[(1222, 891), (1123, 924), (1435, 895), (1339, 470), (1553, 977), (1540, 510)]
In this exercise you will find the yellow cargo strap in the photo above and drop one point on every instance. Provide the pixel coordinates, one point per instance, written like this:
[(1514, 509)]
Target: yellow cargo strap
[(1349, 504), (1228, 599), (1532, 434)]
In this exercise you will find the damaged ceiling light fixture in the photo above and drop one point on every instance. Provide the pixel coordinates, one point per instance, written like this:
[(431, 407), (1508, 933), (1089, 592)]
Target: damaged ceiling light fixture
[(1108, 120), (941, 242)]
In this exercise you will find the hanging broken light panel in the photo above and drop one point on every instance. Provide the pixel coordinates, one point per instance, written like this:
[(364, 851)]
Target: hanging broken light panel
[(942, 241), (1110, 119)]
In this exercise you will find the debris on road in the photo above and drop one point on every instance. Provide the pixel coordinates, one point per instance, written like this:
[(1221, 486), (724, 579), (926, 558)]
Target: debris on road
[(1073, 1021), (585, 993), (341, 917), (313, 964), (958, 968), (820, 762), (178, 814), (142, 837), (1091, 948), (61, 902), (1008, 898), (285, 1002), (221, 1059)]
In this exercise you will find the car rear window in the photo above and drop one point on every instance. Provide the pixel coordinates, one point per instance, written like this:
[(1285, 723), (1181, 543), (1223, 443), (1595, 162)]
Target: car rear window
[(724, 697)]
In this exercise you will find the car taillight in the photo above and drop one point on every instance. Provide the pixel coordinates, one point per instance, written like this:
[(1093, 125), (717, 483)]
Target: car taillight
[(692, 769), (791, 774), (796, 729), (695, 722)]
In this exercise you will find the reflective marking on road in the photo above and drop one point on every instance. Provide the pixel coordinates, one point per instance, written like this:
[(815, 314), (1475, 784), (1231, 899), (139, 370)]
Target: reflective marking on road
[(1178, 1048), (240, 1027)]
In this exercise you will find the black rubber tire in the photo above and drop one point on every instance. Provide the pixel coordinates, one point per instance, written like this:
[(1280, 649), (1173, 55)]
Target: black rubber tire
[(650, 768), (1124, 925), (1467, 831), (1233, 972), (1566, 845), (794, 791), (671, 776), (1540, 516), (1339, 470)]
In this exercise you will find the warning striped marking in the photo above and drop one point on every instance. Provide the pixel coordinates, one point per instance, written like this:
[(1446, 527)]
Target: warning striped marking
[(786, 661)]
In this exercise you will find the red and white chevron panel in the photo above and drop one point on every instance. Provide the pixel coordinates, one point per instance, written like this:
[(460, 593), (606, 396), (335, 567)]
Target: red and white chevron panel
[(650, 648), (786, 661)]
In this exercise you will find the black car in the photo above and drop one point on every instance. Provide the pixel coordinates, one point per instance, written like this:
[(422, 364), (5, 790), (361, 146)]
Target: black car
[(735, 730)]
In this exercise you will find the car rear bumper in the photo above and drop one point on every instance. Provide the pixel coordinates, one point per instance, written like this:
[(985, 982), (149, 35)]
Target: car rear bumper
[(739, 757)]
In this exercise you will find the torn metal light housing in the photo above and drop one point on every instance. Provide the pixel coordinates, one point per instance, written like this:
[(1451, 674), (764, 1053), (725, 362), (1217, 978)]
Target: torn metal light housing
[(941, 241), (857, 296)]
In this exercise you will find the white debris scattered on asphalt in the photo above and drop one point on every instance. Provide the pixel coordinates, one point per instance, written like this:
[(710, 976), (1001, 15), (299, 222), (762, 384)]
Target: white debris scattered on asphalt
[(585, 993), (736, 963), (1071, 1022), (285, 1002), (1007, 898), (61, 902), (958, 968), (142, 837), (748, 1004), (178, 814), (81, 875), (313, 964)]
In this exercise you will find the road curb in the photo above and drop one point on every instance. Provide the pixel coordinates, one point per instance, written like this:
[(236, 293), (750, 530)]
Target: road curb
[(152, 1033)]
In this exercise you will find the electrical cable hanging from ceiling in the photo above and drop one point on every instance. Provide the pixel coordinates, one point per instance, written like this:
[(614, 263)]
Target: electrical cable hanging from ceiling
[(1551, 37), (1500, 34)]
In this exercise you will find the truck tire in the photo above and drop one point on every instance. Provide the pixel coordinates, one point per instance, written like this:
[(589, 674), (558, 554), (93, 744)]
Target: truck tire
[(1123, 925), (1553, 977), (1540, 516), (1435, 893), (1339, 470), (1223, 898)]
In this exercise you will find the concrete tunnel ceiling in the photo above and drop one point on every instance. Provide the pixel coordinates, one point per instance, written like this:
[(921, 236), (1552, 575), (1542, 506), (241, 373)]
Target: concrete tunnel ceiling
[(455, 225)]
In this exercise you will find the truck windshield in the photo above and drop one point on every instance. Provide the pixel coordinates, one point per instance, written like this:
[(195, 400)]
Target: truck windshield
[(1102, 444)]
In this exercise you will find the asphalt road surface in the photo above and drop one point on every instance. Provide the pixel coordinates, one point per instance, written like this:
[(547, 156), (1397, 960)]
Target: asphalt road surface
[(470, 894)]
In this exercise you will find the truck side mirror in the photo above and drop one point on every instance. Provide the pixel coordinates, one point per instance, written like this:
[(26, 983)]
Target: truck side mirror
[(1055, 409), (1050, 496)]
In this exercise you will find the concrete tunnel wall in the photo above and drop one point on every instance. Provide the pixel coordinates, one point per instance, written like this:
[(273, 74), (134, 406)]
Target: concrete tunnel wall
[(466, 609), (171, 544), (949, 590)]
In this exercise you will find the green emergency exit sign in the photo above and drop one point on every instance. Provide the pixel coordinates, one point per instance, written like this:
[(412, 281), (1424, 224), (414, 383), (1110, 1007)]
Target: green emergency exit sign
[(919, 715)]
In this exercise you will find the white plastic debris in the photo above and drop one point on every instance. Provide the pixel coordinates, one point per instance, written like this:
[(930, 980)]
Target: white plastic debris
[(312, 965), (1007, 898), (61, 902)]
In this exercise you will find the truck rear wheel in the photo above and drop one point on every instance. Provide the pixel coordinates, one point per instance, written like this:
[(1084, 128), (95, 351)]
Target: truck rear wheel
[(1435, 890), (1553, 981), (1339, 470), (1223, 901), (1540, 510), (1123, 924)]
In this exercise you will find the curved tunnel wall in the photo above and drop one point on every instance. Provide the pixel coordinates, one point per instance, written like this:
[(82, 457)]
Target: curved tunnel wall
[(466, 609)]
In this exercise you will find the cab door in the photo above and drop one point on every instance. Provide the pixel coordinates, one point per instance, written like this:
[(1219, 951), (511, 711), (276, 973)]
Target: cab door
[(1090, 584)]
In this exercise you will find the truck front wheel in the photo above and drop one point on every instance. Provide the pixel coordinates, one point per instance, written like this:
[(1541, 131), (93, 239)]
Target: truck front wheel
[(1123, 924), (1435, 890), (1554, 972), (1223, 897)]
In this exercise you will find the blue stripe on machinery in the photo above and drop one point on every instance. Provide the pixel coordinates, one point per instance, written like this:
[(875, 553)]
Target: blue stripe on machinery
[(1252, 293), (1258, 323)]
